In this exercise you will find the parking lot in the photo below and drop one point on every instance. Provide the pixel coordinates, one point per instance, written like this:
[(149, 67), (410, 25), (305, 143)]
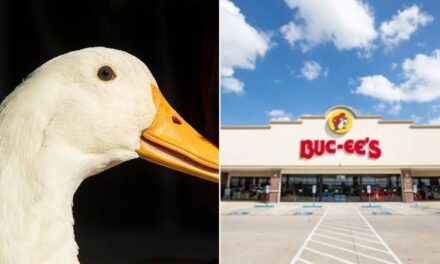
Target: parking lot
[(334, 233)]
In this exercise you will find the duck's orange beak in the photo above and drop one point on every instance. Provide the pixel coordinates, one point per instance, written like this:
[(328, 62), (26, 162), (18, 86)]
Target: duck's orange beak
[(171, 142)]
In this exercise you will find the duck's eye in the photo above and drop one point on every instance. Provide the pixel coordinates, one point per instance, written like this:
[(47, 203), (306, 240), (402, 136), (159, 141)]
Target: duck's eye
[(106, 73)]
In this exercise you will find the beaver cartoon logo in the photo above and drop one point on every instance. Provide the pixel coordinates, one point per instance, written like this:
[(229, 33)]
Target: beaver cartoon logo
[(340, 121)]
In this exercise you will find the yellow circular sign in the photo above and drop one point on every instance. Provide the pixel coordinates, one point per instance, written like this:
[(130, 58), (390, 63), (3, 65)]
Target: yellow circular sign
[(340, 121)]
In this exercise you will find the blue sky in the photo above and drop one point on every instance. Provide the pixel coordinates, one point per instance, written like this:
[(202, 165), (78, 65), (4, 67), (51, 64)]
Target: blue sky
[(282, 59)]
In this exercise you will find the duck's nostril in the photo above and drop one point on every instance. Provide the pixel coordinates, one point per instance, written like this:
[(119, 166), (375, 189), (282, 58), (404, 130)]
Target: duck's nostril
[(176, 120)]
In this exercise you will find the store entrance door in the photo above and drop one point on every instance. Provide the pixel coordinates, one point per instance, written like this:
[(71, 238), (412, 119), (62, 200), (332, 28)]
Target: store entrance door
[(340, 188)]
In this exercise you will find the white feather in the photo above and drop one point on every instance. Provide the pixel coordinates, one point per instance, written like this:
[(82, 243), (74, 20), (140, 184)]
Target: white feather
[(61, 125)]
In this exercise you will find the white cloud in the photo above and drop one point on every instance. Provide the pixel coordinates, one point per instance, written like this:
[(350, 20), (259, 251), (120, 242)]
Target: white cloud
[(276, 112), (241, 45), (232, 85), (416, 118), (312, 70), (348, 24), (395, 109), (292, 32), (380, 107), (279, 115), (379, 87), (435, 108), (435, 121), (391, 108), (358, 111), (421, 82), (403, 25)]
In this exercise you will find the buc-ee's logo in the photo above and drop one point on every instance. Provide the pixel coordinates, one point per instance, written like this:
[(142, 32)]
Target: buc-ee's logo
[(340, 121)]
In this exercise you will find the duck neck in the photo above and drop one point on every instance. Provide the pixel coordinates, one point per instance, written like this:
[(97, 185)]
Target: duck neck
[(36, 198)]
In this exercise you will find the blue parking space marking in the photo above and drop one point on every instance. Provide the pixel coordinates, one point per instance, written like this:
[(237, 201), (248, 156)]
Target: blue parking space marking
[(239, 213), (264, 206), (312, 206), (420, 206), (371, 206), (303, 213), (381, 213)]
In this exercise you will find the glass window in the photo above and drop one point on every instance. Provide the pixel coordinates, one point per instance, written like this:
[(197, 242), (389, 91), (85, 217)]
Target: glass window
[(341, 188), (383, 188), (428, 188), (298, 187), (248, 188)]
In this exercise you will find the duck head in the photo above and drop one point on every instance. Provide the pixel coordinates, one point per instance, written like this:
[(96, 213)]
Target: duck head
[(105, 104), (75, 116)]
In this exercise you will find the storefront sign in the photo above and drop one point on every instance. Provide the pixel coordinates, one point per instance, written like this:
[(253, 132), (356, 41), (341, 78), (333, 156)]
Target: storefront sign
[(363, 147), (340, 121)]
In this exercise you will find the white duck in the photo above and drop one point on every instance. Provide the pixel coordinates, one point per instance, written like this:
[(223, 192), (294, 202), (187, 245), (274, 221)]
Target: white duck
[(75, 116)]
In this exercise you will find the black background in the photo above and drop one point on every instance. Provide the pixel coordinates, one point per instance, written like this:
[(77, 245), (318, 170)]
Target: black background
[(136, 212)]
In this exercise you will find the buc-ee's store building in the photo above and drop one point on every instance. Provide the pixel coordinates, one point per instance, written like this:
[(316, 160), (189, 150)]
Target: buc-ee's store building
[(342, 153)]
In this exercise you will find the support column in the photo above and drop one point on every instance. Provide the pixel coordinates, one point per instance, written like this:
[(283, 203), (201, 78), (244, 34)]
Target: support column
[(275, 187), (407, 191), (224, 184)]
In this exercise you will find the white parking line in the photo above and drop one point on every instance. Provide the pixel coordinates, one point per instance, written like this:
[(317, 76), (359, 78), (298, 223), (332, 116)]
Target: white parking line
[(329, 256), (378, 237), (350, 251), (352, 243), (351, 223), (305, 261), (356, 237), (341, 244), (346, 230), (303, 246), (352, 227)]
